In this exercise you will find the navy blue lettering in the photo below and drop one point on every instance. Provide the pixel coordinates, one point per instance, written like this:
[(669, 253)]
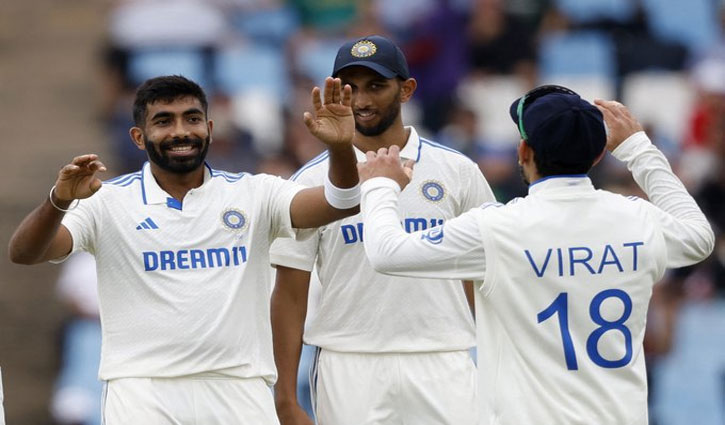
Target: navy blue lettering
[(415, 224), (167, 260), (584, 260), (185, 259), (634, 246), (349, 235), (609, 251), (360, 231), (213, 253), (198, 261), (539, 272), (560, 256), (150, 261), (182, 257)]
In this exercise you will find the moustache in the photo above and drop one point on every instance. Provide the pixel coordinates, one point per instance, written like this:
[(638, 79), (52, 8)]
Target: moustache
[(194, 142)]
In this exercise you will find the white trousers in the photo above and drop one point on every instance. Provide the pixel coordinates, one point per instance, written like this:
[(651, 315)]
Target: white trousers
[(188, 401), (396, 389)]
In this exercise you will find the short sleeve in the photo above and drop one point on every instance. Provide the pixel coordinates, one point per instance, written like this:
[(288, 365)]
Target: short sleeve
[(81, 223), (280, 193), (301, 252)]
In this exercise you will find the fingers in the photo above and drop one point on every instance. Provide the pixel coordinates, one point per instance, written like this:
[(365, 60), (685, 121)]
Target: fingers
[(87, 163), (95, 185), (316, 101), (329, 86), (612, 106), (96, 166), (310, 122), (68, 170), (84, 159), (347, 95), (337, 91)]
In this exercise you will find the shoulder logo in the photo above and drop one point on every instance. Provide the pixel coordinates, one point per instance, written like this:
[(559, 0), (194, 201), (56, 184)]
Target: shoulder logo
[(363, 49), (147, 224), (234, 220), (433, 190)]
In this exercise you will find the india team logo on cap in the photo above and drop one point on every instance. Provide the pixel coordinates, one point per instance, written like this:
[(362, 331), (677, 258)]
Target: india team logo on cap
[(234, 220), (363, 49), (433, 190)]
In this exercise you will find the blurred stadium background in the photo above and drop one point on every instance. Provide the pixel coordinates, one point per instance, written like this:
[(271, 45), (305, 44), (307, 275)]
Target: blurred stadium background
[(68, 70)]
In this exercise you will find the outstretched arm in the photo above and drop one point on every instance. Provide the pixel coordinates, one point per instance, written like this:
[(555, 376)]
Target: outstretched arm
[(332, 123), (40, 237), (450, 251)]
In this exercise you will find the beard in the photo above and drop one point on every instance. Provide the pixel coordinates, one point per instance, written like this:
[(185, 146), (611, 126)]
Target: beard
[(157, 153), (523, 175), (387, 118)]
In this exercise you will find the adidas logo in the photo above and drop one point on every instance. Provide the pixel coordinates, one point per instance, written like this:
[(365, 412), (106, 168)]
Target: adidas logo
[(147, 224)]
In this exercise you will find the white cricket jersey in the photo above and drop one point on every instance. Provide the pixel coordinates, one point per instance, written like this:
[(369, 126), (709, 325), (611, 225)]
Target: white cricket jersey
[(184, 287), (567, 275), (360, 310)]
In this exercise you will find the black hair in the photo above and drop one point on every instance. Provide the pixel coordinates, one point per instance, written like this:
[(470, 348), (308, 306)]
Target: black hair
[(547, 167), (167, 89)]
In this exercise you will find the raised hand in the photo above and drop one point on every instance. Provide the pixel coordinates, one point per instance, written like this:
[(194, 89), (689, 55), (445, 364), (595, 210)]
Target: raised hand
[(332, 121), (620, 122), (78, 180), (386, 163)]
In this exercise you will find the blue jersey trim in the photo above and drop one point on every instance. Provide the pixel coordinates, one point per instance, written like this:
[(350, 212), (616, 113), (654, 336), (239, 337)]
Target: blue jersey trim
[(229, 177), (314, 161), (439, 146), (173, 203), (558, 176), (119, 180), (143, 185)]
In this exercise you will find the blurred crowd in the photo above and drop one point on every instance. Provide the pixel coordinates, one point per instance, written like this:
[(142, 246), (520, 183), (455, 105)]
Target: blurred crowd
[(259, 59)]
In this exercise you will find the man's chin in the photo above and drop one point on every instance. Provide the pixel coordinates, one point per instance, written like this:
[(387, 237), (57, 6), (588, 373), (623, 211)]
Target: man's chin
[(181, 166), (369, 130)]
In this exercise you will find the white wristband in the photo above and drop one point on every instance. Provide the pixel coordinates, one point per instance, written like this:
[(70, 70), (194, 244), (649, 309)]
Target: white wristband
[(50, 198), (340, 198)]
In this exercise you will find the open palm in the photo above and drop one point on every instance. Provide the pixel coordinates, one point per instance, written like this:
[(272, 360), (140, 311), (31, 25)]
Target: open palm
[(332, 121)]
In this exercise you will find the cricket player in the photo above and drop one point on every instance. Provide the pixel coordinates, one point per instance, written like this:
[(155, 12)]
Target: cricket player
[(391, 351), (182, 258), (564, 275)]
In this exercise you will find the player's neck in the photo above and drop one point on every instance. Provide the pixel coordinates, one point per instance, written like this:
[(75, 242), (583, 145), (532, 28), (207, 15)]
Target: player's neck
[(176, 184), (396, 134)]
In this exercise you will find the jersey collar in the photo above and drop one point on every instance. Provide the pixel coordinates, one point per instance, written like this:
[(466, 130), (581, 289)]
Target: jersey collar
[(152, 193), (409, 151), (574, 181)]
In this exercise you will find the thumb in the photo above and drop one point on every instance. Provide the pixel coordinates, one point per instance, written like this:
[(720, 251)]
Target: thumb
[(408, 168), (95, 185), (310, 122)]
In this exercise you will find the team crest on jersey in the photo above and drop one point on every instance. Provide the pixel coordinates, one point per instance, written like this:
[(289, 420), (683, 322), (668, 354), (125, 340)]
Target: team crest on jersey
[(433, 190), (234, 220), (363, 49)]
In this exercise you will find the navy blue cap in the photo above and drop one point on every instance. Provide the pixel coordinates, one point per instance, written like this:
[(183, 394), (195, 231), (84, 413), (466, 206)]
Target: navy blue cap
[(560, 126), (375, 52)]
